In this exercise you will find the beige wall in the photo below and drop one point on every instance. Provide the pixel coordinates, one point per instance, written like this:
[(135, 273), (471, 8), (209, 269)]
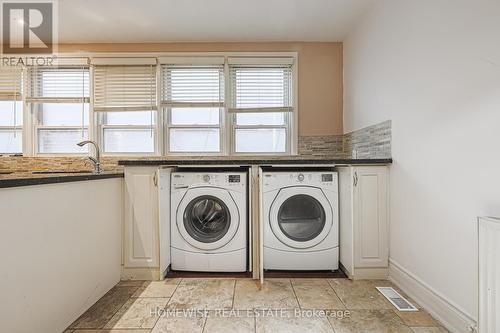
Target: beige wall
[(320, 75)]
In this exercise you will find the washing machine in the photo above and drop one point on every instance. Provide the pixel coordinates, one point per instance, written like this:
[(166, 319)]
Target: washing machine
[(300, 213), (209, 221)]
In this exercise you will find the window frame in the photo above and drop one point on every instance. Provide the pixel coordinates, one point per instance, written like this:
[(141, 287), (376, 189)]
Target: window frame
[(162, 126), (102, 126), (286, 126), (290, 118), (169, 126), (98, 119), (18, 96), (167, 111), (35, 121), (14, 128)]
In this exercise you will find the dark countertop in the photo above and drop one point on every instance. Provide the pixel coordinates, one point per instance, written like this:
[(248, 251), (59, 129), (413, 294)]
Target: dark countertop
[(17, 179), (262, 161)]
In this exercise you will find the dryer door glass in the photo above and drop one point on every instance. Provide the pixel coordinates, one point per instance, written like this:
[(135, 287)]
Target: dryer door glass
[(301, 218), (207, 219)]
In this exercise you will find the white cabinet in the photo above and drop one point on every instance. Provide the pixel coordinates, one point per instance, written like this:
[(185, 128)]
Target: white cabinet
[(364, 223), (141, 234), (489, 274)]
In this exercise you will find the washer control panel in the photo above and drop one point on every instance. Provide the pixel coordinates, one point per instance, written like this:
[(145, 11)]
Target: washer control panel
[(234, 178)]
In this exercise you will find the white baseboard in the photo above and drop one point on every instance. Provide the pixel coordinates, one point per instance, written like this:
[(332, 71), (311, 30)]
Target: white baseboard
[(451, 316)]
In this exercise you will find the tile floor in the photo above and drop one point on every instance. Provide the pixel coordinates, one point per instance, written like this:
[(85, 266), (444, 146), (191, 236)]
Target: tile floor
[(195, 305)]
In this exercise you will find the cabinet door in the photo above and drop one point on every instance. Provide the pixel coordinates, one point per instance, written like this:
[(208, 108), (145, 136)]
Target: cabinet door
[(346, 233), (141, 217), (371, 248), (164, 218)]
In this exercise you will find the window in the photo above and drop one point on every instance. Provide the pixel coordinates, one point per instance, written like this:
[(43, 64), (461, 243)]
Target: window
[(193, 100), (219, 104), (128, 132), (125, 97), (261, 105), (59, 99), (11, 110)]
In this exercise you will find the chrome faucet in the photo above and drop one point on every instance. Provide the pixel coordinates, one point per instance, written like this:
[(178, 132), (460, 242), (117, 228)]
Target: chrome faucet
[(97, 159)]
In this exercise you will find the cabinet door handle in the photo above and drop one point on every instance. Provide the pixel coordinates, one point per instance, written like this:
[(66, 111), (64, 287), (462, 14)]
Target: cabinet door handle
[(155, 179), (355, 178)]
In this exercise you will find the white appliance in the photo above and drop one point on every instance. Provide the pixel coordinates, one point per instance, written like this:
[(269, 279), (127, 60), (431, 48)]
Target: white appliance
[(300, 216), (209, 221)]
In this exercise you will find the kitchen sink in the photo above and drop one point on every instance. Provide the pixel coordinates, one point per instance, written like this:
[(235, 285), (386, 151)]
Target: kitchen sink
[(43, 172)]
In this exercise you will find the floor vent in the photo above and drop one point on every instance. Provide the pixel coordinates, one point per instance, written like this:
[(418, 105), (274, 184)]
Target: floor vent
[(396, 299)]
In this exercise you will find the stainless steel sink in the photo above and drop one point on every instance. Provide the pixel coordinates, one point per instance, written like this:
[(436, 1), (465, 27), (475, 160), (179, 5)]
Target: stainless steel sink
[(43, 172)]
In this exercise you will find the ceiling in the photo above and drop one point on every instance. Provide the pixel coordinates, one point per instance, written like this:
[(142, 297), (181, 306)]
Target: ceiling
[(139, 21)]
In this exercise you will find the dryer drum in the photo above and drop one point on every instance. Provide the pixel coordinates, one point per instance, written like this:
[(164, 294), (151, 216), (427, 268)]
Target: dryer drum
[(207, 219), (301, 218)]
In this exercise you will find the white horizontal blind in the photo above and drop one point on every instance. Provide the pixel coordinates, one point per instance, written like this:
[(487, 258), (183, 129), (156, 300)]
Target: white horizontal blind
[(124, 88), (193, 97), (192, 86), (58, 85), (11, 79), (261, 88)]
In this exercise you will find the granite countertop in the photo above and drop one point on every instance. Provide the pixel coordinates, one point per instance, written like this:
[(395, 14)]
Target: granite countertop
[(251, 160), (26, 178)]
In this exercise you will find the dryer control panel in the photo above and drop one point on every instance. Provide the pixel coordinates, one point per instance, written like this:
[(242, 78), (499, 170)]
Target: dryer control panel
[(223, 179), (324, 179)]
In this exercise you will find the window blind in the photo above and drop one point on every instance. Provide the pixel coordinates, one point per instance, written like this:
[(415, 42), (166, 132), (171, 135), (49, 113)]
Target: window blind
[(58, 85), (124, 88), (11, 79), (261, 88), (192, 86)]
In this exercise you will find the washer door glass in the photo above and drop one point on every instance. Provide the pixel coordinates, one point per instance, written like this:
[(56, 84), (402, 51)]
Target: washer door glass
[(207, 219), (301, 218)]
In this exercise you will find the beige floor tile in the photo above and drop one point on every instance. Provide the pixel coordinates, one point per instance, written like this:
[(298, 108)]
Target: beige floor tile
[(290, 323), (104, 309), (373, 321), (417, 318), (429, 330), (157, 288), (138, 313), (273, 294), (316, 294), (179, 324), (203, 294), (218, 324), (359, 295)]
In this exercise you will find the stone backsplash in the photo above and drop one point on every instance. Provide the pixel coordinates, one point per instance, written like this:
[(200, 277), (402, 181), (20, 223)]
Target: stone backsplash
[(21, 163), (330, 145), (370, 142)]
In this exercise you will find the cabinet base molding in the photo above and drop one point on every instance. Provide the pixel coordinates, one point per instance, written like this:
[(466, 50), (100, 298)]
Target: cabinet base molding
[(366, 273), (149, 274), (370, 273)]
